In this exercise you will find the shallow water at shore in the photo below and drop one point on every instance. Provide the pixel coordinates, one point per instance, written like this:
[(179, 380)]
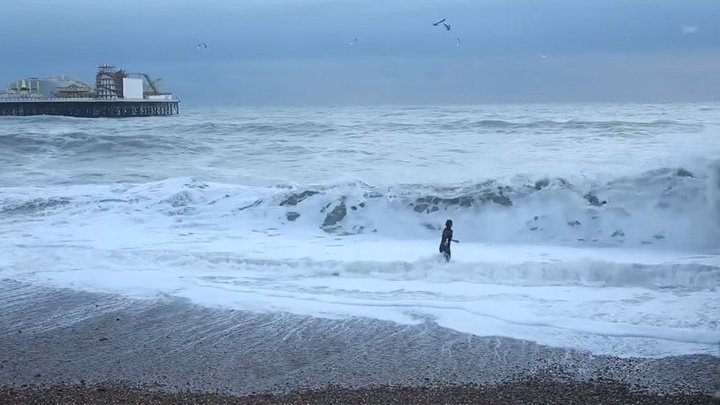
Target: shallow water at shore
[(58, 336)]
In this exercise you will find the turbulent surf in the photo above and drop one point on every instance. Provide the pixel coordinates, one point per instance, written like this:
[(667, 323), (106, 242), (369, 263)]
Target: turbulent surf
[(579, 227)]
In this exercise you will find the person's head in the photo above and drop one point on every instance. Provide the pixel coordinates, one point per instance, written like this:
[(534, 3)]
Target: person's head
[(448, 223)]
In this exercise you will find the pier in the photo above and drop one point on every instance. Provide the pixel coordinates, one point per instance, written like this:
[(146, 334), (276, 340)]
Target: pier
[(117, 93), (90, 108)]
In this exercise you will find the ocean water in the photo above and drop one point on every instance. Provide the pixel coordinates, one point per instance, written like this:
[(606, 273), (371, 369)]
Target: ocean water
[(594, 227)]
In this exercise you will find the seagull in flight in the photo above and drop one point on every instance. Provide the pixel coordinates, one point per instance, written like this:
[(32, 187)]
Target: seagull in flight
[(201, 45), (458, 42), (353, 42), (439, 22), (447, 26)]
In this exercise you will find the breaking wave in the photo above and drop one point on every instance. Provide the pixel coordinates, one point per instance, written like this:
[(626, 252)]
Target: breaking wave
[(666, 207)]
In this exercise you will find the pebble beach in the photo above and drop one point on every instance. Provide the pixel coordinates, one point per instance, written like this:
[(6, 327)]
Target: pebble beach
[(64, 346)]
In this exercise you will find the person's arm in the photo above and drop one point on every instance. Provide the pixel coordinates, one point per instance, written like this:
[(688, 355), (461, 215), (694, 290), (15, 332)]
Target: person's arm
[(448, 238)]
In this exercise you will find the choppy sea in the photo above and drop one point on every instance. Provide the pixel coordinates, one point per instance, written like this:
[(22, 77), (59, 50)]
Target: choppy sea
[(589, 226)]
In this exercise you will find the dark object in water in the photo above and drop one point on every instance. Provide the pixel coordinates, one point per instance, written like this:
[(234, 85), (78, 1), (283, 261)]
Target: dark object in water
[(593, 200)]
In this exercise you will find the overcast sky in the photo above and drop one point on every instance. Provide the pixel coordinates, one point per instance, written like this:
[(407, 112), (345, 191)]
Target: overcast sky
[(294, 52)]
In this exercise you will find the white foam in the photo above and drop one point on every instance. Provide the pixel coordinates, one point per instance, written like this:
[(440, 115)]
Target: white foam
[(659, 209), (668, 307)]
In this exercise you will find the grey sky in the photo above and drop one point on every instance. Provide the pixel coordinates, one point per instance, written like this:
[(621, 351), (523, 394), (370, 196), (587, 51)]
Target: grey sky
[(297, 51)]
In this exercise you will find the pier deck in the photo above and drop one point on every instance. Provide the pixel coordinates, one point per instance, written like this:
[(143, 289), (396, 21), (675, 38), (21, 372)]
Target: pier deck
[(90, 107)]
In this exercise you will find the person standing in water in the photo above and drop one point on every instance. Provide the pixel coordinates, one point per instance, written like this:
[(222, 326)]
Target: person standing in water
[(447, 237)]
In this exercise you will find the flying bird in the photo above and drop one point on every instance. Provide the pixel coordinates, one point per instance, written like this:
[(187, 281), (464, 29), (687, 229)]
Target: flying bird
[(439, 22), (447, 26), (458, 42), (543, 56), (353, 42), (201, 45)]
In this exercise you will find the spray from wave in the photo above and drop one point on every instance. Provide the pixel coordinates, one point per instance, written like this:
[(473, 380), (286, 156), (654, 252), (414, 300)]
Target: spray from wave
[(667, 207)]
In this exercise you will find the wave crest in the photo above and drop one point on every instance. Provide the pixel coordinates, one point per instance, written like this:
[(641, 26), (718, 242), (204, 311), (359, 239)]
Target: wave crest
[(668, 207)]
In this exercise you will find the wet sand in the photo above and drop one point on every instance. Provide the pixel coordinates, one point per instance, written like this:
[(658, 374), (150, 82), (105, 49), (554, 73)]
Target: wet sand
[(67, 346)]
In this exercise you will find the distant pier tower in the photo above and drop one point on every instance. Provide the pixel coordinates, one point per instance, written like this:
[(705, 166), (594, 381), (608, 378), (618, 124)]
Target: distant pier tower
[(105, 83)]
